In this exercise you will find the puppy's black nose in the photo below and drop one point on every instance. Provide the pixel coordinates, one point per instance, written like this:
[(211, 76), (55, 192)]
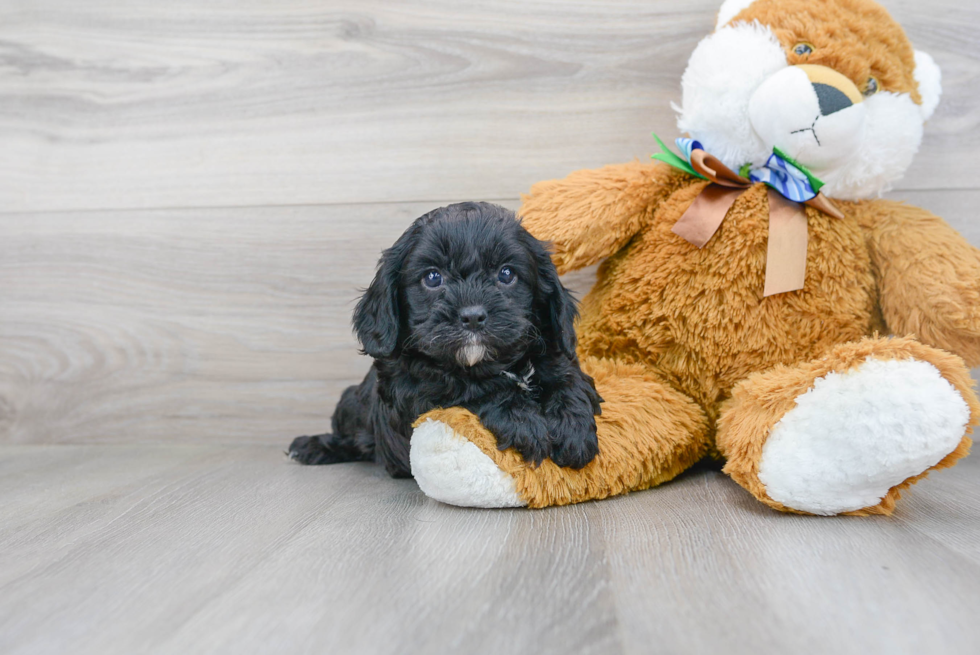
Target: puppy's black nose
[(473, 317)]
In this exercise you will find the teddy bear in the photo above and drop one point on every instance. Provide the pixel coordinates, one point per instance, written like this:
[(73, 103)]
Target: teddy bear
[(757, 302)]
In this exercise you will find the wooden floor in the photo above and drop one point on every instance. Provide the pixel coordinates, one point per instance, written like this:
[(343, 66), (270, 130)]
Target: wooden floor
[(216, 549), (191, 195)]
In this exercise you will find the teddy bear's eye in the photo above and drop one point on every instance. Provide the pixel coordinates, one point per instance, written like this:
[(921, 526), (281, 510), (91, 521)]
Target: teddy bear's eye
[(802, 49), (871, 87)]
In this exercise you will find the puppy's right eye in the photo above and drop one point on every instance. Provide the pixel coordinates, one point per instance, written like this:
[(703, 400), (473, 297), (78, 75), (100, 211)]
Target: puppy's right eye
[(432, 279)]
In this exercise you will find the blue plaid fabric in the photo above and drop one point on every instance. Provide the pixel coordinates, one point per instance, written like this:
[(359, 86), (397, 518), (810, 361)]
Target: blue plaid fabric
[(686, 146), (785, 178), (778, 173)]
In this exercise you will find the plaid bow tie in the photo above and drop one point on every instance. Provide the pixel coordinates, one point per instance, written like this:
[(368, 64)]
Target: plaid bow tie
[(789, 185)]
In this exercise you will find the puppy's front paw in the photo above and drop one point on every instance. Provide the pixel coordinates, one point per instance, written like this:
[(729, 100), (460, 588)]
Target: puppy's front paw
[(574, 443), (527, 433)]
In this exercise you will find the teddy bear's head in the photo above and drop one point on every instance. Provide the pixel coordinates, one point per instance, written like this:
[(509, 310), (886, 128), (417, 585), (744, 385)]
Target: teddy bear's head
[(835, 84)]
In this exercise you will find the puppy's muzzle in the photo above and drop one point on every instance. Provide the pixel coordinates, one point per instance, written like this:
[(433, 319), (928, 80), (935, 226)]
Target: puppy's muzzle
[(473, 317)]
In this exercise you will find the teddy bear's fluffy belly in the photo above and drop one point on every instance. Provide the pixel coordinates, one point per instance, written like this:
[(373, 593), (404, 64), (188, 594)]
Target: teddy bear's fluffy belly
[(698, 316)]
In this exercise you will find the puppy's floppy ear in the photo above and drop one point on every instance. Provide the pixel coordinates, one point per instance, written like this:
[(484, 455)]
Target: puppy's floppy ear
[(377, 317), (561, 312)]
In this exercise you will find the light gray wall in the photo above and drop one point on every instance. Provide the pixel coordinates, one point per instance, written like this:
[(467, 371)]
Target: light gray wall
[(192, 194)]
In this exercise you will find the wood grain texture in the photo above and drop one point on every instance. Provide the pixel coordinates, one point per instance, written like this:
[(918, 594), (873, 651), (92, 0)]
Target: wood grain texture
[(113, 104), (207, 549)]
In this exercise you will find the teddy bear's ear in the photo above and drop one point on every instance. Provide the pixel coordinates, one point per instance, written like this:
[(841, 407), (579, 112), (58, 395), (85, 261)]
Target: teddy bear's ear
[(929, 78), (729, 9)]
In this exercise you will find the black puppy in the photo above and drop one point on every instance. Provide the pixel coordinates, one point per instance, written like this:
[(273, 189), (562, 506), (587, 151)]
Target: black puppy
[(466, 310)]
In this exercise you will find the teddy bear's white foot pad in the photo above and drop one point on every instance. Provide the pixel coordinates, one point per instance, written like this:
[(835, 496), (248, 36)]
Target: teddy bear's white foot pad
[(855, 435), (452, 470)]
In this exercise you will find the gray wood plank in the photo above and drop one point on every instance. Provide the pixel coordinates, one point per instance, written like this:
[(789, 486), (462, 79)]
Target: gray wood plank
[(338, 559), (210, 549), (88, 478), (774, 583), (949, 513), (112, 104)]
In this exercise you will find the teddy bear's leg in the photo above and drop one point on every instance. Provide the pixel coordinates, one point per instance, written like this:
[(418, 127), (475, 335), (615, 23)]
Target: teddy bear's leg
[(648, 433), (843, 434)]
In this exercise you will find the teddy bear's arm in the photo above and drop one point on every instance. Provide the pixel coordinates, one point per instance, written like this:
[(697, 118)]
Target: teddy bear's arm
[(593, 213), (928, 277)]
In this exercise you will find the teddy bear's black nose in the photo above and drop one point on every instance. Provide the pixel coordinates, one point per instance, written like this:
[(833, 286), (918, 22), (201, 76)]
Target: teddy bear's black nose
[(830, 98)]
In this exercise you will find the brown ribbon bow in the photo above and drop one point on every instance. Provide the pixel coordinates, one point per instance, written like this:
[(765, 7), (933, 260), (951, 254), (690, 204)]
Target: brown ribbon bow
[(786, 251)]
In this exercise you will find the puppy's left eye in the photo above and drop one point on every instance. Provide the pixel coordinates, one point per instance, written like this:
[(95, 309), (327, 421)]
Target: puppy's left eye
[(506, 276), (432, 279)]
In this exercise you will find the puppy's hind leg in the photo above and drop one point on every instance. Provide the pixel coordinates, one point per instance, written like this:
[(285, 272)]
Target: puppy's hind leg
[(350, 441), (326, 449)]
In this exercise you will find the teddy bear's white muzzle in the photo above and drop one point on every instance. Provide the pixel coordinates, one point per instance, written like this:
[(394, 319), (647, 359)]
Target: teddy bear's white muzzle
[(815, 120)]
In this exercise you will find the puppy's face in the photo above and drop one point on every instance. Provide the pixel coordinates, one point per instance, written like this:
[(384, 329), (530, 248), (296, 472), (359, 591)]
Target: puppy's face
[(467, 286), (468, 290)]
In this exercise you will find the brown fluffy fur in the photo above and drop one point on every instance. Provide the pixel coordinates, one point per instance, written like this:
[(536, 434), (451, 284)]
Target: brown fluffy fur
[(689, 356), (854, 37), (649, 434), (758, 402), (669, 331)]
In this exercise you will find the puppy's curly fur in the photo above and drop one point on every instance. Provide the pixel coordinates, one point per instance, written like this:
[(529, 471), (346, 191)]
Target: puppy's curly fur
[(466, 310)]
